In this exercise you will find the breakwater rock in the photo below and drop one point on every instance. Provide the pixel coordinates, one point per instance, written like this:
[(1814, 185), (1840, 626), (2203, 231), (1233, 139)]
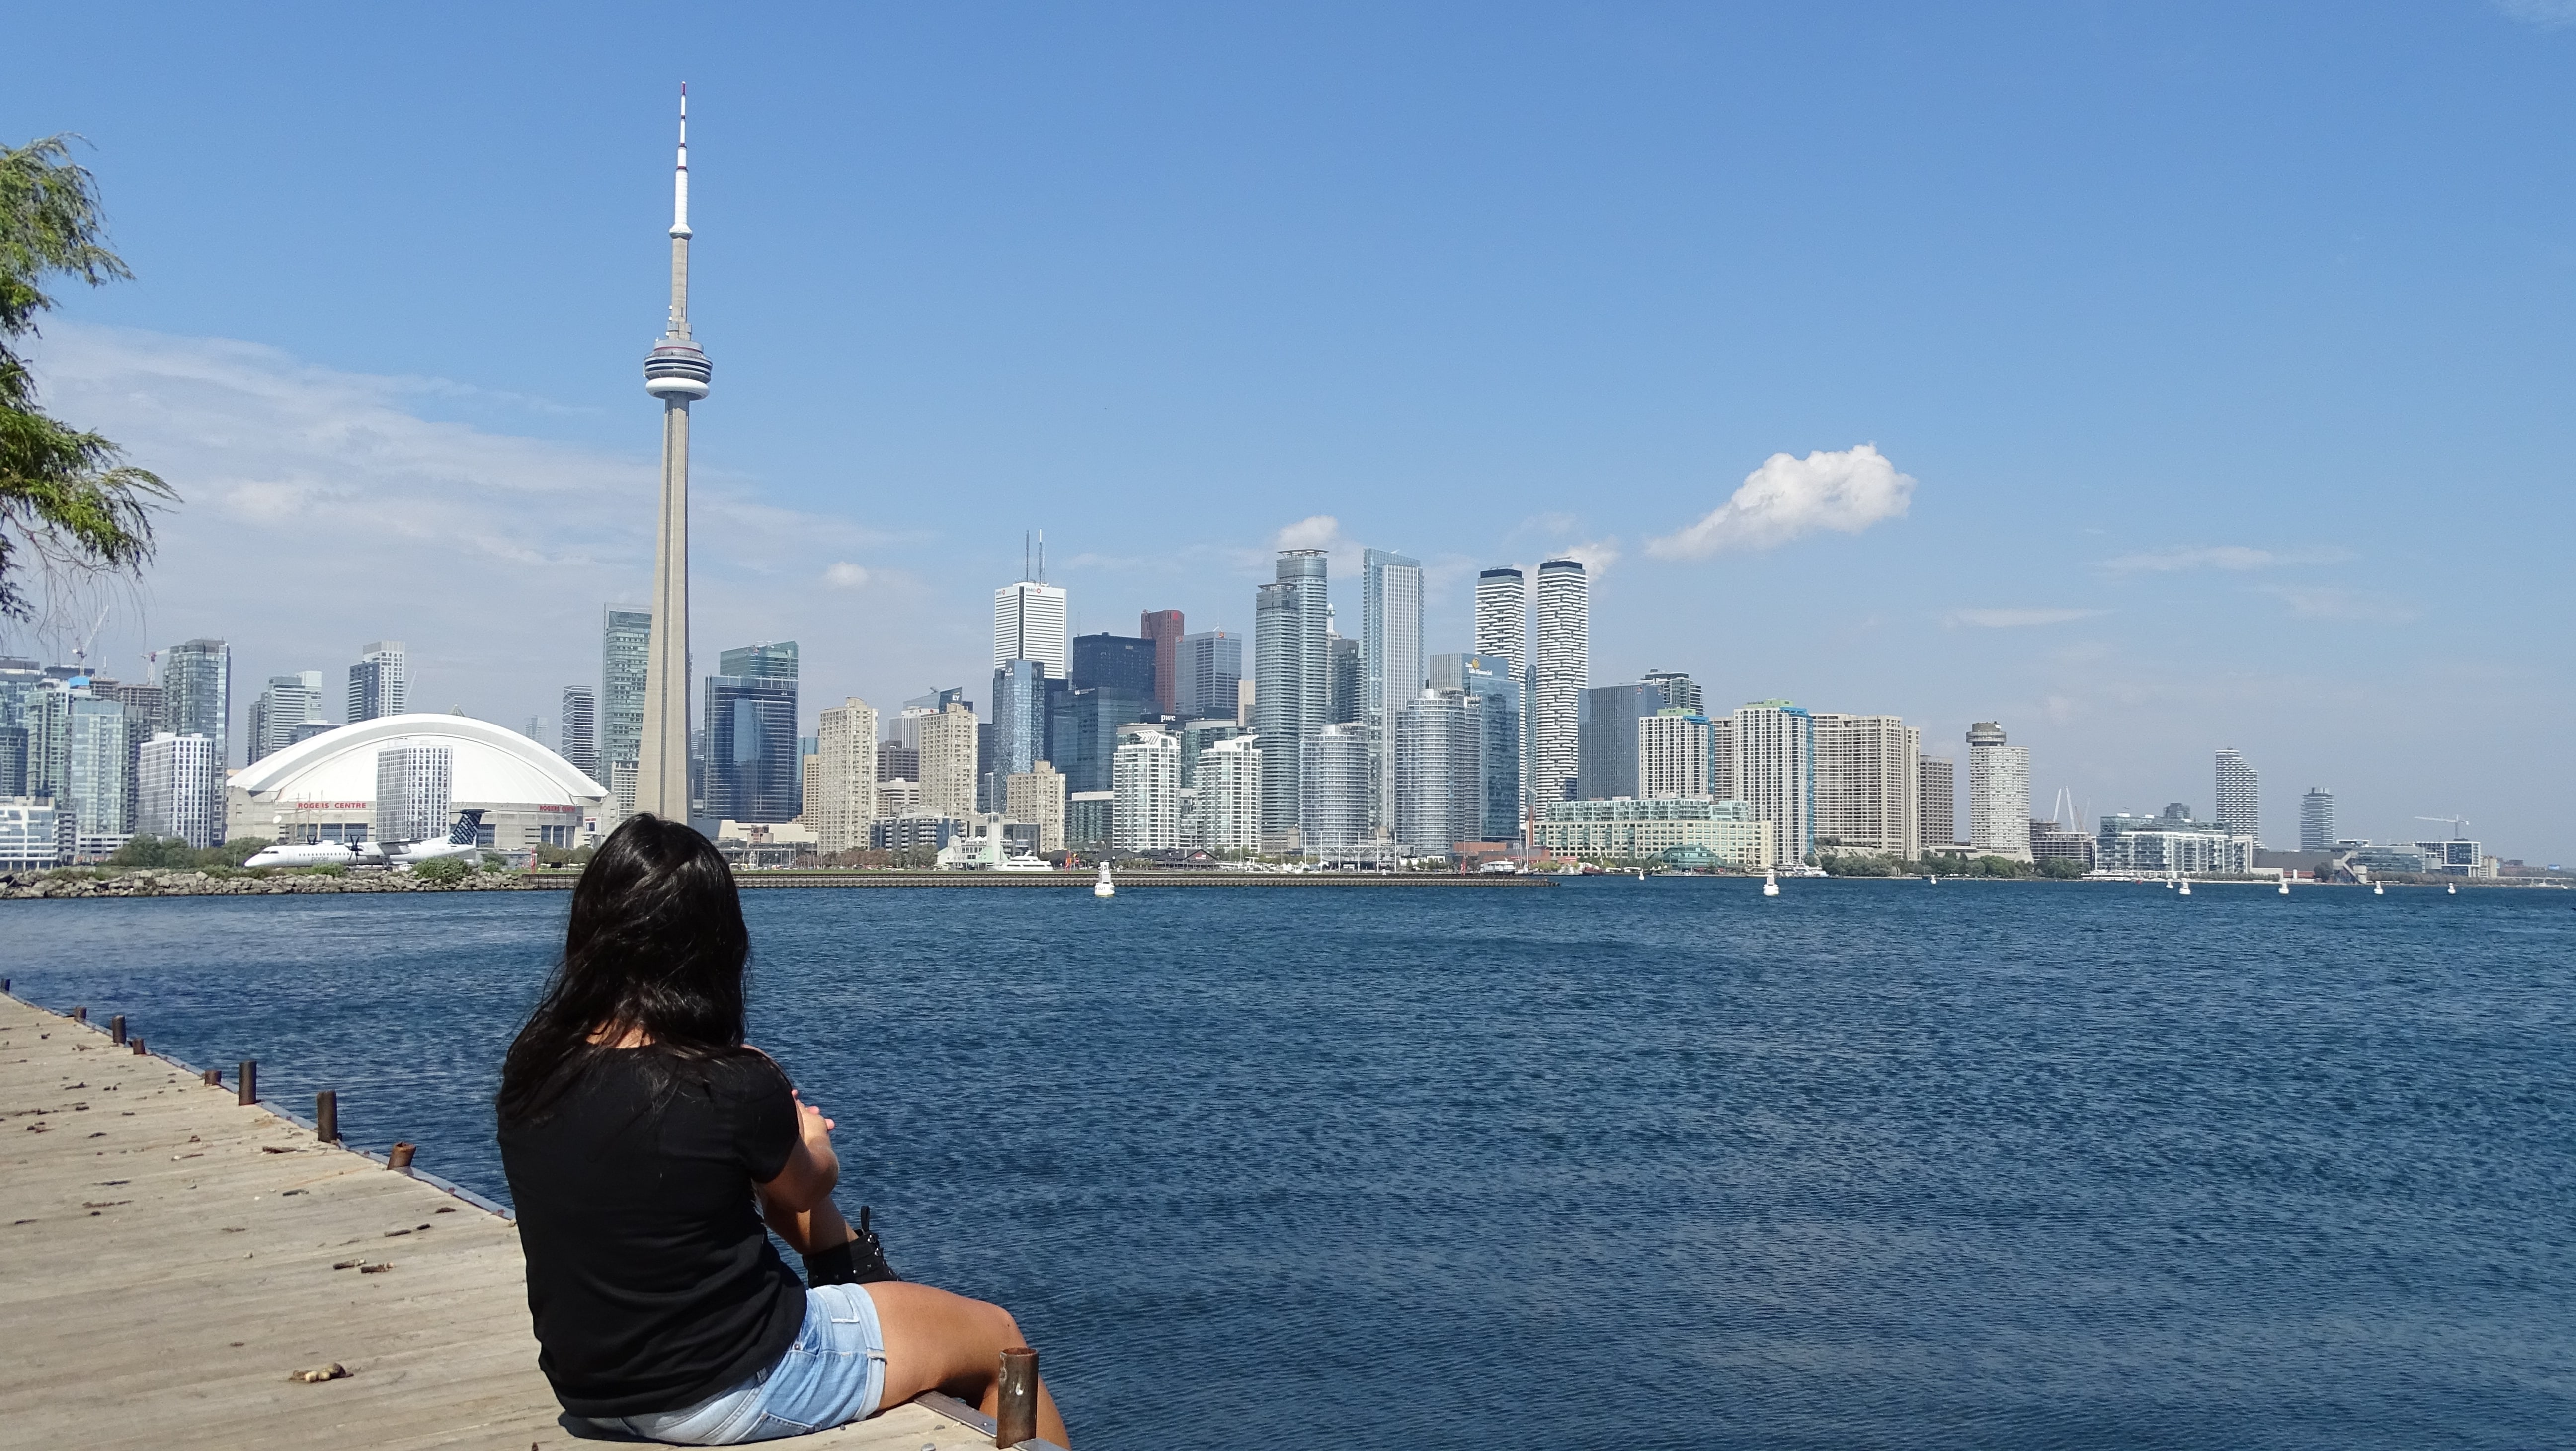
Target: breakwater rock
[(174, 882)]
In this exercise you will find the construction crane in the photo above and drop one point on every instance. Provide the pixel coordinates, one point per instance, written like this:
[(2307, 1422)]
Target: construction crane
[(2459, 825)]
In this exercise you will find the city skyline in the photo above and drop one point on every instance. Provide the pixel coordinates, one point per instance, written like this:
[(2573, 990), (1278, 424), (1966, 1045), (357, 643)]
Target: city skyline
[(2132, 568)]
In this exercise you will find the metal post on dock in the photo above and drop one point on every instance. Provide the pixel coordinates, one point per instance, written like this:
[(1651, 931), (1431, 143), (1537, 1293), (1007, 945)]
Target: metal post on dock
[(80, 1015), (4, 984), (1015, 1412), (246, 1087), (398, 1158), (137, 1045), (326, 1116), (214, 1078), (116, 1030)]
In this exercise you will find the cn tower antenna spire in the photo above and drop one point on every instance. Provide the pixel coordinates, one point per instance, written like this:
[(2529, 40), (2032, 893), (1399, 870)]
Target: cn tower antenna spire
[(677, 372)]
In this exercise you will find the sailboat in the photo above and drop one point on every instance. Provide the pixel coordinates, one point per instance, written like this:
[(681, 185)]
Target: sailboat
[(1770, 884), (1103, 887)]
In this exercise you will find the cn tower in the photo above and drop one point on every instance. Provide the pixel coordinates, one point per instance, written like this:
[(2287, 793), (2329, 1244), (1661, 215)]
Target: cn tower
[(675, 372)]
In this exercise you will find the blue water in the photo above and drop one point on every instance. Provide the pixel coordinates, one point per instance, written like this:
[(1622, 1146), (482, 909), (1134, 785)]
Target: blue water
[(1655, 1163)]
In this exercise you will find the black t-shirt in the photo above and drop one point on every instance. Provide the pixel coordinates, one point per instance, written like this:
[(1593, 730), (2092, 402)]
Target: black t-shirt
[(651, 1280)]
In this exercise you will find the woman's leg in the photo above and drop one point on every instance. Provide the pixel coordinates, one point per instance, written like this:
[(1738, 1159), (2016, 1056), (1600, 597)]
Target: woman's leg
[(936, 1341)]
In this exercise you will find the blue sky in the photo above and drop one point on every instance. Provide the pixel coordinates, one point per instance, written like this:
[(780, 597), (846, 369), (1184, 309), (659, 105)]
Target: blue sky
[(2228, 348)]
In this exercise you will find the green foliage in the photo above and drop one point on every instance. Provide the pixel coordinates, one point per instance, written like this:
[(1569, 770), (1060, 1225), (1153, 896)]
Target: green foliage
[(170, 853), (445, 870), (2061, 869), (556, 856), (63, 494)]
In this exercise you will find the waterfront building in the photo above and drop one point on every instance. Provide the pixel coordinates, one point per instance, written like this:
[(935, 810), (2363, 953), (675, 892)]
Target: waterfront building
[(914, 831), (1775, 774), (625, 649), (1088, 818), (288, 702), (1869, 783), (1722, 784), (898, 796), (948, 761), (1936, 805), (1146, 783), (678, 373), (2390, 858), (2456, 857), (2239, 802), (1560, 669), (197, 692), (1163, 628), (1292, 666), (1208, 676), (1440, 783), (1680, 692), (98, 779), (2168, 843), (179, 787), (1337, 777), (1626, 829), (1037, 796), (1673, 753), (844, 796), (1502, 730), (1029, 624), (2317, 820), (1998, 794), (751, 767), (1117, 662), (30, 833), (415, 789), (1606, 738), (2051, 842), (1226, 799), (379, 684), (577, 730), (1502, 617), (1390, 666)]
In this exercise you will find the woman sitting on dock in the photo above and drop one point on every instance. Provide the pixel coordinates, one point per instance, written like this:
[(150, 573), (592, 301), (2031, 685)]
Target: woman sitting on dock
[(646, 1144)]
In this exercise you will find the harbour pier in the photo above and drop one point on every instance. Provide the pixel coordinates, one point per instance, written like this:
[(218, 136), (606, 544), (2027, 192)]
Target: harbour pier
[(186, 1266)]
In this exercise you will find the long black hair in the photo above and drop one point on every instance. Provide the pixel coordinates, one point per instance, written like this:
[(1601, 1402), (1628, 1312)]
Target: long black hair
[(656, 944)]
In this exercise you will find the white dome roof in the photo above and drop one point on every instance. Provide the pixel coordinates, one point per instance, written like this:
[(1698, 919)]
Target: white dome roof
[(491, 763)]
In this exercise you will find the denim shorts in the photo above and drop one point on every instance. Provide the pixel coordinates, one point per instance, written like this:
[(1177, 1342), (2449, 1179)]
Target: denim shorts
[(834, 1374)]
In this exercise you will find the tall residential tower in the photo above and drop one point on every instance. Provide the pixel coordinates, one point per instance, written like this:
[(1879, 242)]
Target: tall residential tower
[(676, 372), (1560, 667)]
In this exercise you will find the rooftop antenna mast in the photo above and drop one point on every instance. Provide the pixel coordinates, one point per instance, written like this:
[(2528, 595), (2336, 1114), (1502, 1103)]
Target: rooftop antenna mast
[(1041, 579)]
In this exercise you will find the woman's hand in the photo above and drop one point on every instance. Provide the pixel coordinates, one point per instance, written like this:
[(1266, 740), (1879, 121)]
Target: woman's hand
[(812, 1170)]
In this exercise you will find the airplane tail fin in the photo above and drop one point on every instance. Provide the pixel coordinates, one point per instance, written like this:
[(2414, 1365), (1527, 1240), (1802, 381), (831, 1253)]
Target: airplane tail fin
[(469, 825)]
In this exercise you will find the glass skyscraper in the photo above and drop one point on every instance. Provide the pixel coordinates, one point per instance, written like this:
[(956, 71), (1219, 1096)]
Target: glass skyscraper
[(380, 683), (1391, 657), (1019, 722), (1210, 676), (197, 692), (1293, 684), (625, 643), (753, 771)]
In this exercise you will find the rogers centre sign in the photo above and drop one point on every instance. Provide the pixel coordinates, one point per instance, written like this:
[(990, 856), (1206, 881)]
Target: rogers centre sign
[(335, 806)]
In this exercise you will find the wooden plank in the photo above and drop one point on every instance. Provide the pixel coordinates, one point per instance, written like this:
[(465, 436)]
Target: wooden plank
[(162, 1273)]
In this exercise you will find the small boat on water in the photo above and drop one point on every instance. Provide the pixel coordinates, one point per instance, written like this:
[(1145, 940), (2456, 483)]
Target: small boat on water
[(1770, 884), (1103, 887)]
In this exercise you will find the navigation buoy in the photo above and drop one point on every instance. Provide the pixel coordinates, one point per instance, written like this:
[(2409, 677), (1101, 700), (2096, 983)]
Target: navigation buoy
[(2285, 886), (1104, 887), (2451, 889), (1770, 884), (2377, 890), (2186, 888)]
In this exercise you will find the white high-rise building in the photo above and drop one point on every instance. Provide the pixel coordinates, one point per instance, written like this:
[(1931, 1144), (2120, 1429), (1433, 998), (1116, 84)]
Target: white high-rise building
[(1560, 668), (1029, 624), (1673, 754), (288, 702), (1390, 665), (845, 777), (2317, 820), (1998, 794), (1502, 618), (1337, 784), (1869, 782), (179, 783), (1228, 801), (948, 761), (1292, 663), (1775, 774), (1036, 797), (1440, 785), (1145, 778), (578, 729), (2239, 811), (415, 786)]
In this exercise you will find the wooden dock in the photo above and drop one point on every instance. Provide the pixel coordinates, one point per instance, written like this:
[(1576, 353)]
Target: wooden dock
[(170, 1260)]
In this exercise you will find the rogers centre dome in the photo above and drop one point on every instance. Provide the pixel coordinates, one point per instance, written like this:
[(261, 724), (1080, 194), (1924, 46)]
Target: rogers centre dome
[(324, 789)]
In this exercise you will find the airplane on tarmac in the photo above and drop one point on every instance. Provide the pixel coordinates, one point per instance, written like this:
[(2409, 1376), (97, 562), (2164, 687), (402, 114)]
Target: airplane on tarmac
[(461, 842)]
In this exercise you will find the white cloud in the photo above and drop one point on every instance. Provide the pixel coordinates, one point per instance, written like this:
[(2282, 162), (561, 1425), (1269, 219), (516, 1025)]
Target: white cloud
[(1316, 531), (2236, 557), (319, 510), (2326, 602), (1597, 555), (2013, 619), (2544, 14), (1846, 491)]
